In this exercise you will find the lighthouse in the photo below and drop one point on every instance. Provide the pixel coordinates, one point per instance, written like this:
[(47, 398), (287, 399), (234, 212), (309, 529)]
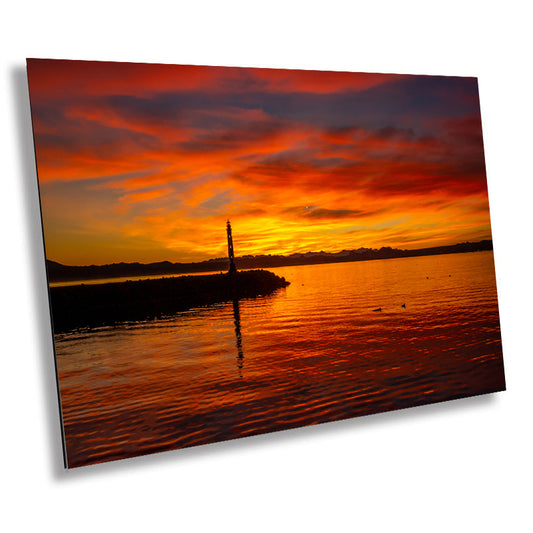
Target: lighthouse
[(232, 268)]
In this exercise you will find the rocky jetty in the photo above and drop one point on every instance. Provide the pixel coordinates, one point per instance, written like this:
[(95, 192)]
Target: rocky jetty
[(86, 306)]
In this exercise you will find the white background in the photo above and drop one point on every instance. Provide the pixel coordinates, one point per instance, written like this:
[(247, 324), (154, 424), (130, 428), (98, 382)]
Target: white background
[(459, 466)]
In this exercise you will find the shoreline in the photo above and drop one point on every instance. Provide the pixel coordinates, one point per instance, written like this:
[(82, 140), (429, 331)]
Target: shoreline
[(58, 273)]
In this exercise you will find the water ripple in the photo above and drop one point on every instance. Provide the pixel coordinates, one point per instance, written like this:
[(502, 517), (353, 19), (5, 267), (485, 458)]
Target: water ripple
[(314, 352)]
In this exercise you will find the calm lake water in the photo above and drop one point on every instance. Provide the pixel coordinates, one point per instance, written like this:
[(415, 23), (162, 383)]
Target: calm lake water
[(316, 351)]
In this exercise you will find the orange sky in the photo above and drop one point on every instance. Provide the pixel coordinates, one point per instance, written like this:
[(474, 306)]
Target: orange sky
[(140, 162)]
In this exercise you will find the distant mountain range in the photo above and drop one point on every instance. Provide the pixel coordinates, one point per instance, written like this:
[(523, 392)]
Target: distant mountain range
[(58, 272)]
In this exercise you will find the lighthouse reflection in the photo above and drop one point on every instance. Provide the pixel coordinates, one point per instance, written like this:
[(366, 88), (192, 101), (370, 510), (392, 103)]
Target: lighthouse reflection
[(238, 336)]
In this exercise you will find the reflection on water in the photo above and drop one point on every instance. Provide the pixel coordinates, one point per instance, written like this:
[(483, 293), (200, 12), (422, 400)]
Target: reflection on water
[(238, 336), (315, 352)]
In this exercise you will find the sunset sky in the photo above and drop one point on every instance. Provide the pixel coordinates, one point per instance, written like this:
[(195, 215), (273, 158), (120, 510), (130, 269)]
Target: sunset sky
[(140, 162)]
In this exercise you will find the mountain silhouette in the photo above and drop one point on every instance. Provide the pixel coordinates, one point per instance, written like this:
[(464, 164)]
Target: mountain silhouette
[(58, 272)]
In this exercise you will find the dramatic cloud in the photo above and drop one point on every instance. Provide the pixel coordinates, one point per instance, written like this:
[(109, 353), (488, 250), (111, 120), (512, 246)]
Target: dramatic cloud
[(146, 162)]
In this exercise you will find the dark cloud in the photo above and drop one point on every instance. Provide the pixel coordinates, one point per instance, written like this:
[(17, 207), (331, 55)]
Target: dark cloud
[(415, 100), (320, 213), (72, 134), (392, 133), (411, 135), (333, 213), (243, 135)]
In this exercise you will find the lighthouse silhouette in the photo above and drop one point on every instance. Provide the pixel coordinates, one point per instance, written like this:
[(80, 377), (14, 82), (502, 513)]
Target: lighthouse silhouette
[(232, 268)]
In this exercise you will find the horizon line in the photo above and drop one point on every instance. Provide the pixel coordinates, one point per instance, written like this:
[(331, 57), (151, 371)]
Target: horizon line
[(224, 258)]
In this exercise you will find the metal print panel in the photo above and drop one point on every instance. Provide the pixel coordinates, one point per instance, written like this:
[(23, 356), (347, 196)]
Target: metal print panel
[(234, 251)]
